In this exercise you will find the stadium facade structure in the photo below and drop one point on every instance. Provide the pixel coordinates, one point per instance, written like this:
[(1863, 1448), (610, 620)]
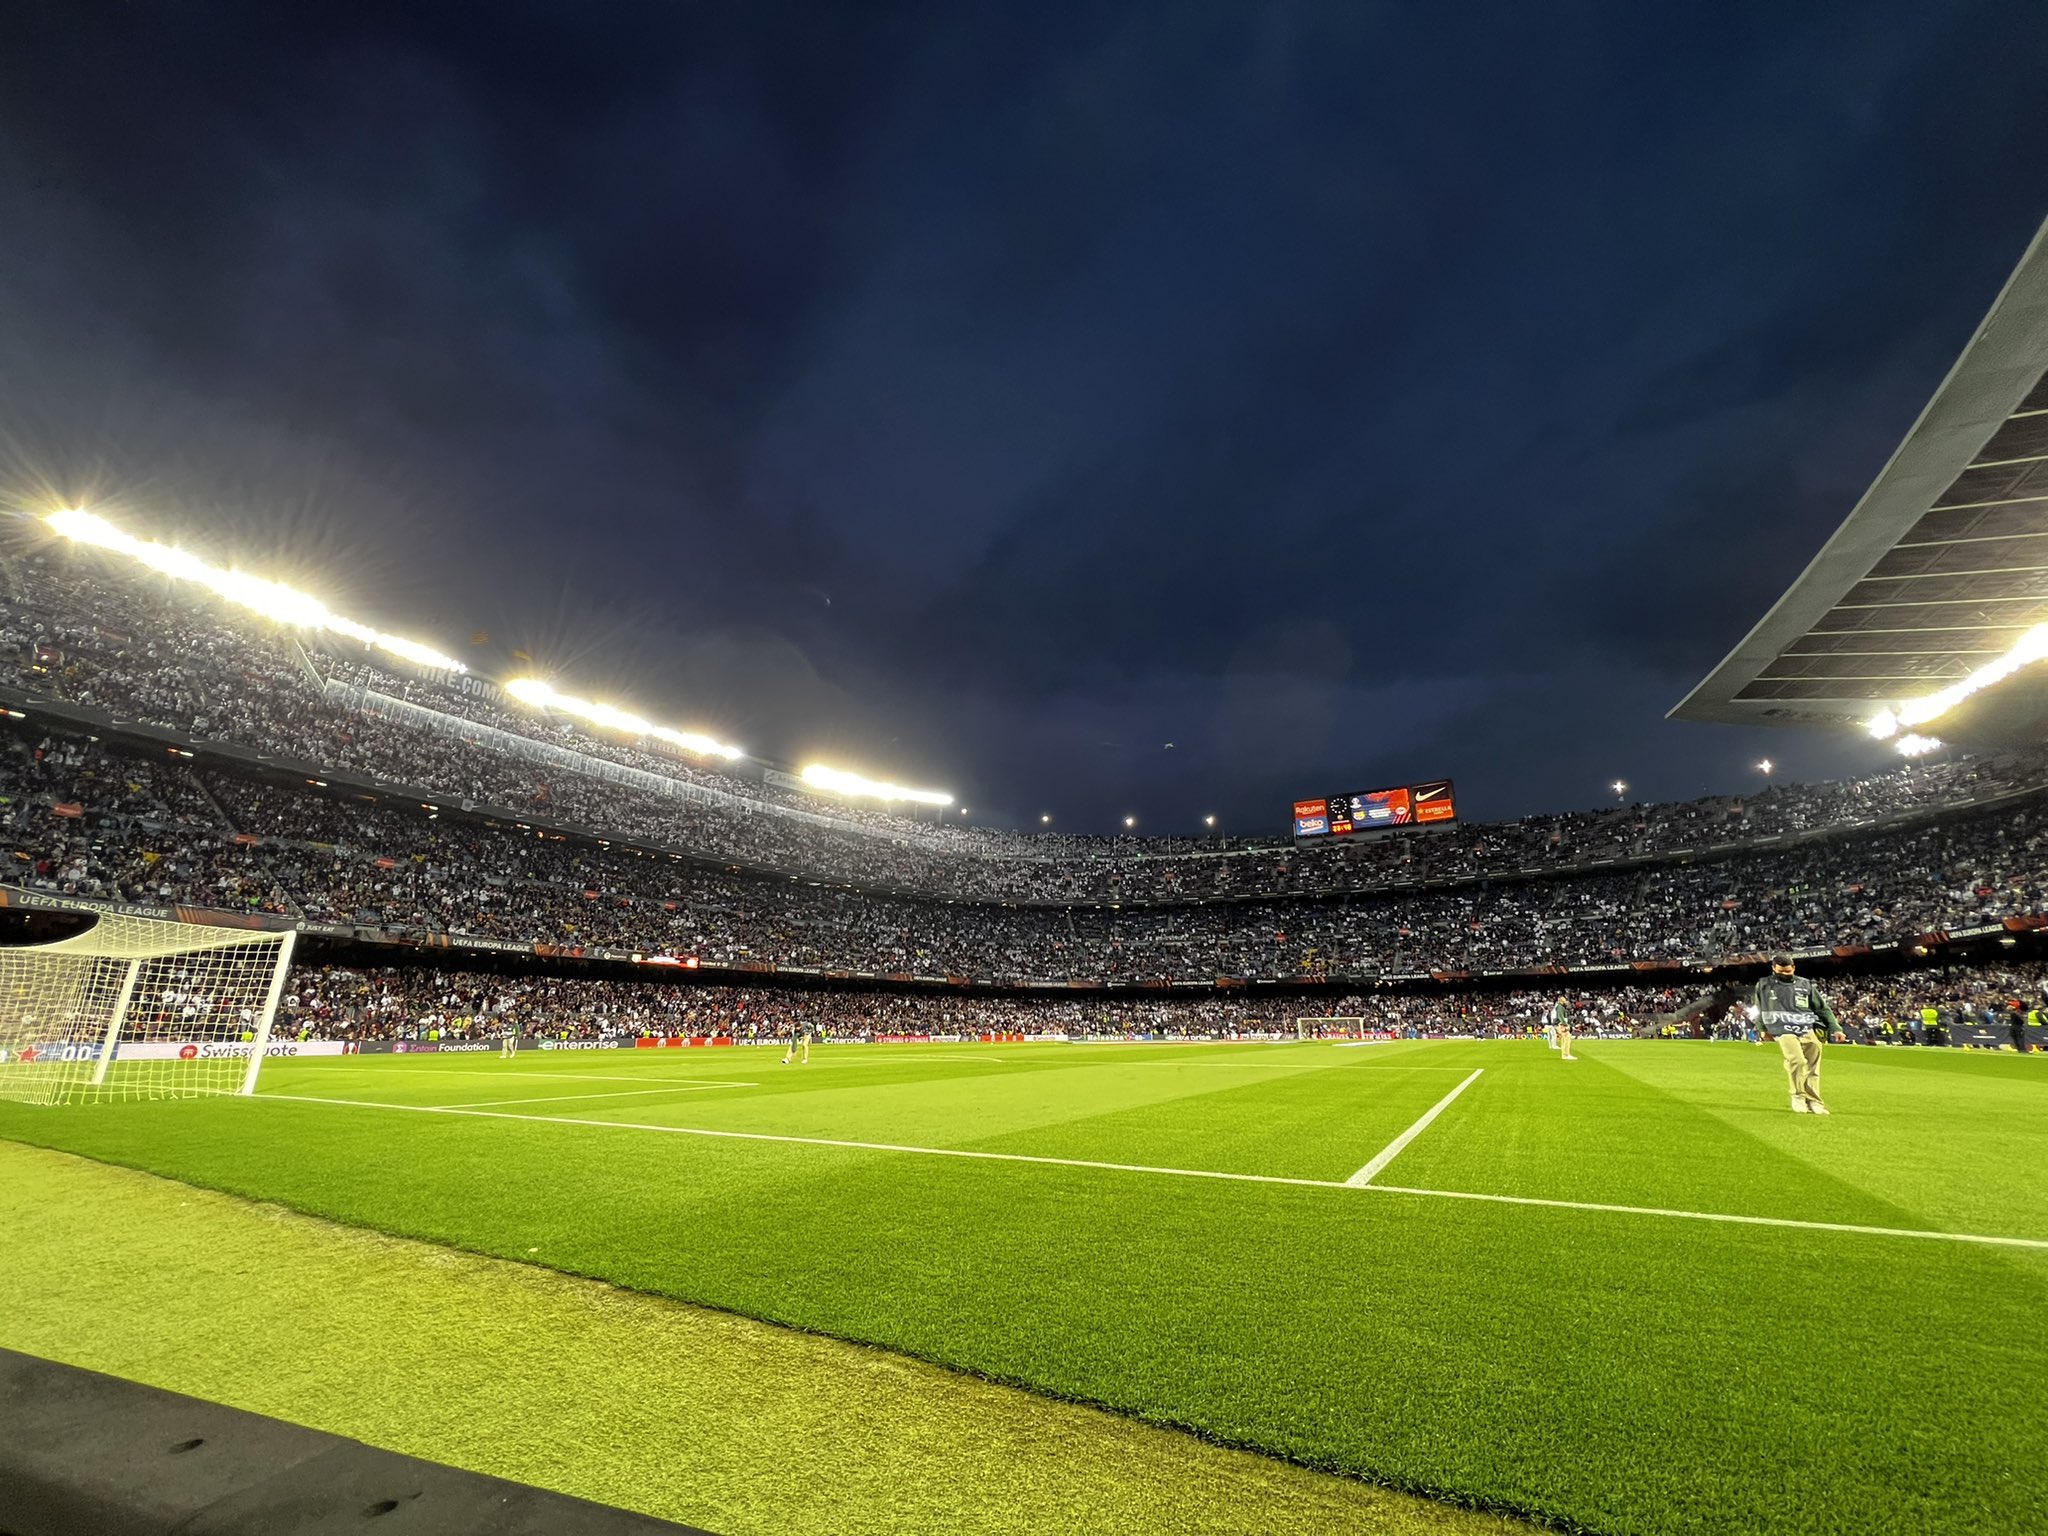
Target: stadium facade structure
[(1937, 570)]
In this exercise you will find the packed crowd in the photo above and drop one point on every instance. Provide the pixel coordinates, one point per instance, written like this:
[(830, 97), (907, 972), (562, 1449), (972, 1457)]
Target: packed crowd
[(81, 818), (79, 628), (418, 1003)]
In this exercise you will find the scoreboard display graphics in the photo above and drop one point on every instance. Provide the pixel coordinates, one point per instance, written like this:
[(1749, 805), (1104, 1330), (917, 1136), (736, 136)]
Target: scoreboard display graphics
[(1376, 810)]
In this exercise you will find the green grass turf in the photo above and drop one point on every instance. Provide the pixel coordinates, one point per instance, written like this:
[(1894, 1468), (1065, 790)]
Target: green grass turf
[(1621, 1372), (698, 1416)]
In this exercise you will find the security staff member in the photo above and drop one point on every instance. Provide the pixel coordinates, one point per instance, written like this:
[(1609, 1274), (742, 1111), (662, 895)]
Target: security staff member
[(1792, 1009), (1561, 1029)]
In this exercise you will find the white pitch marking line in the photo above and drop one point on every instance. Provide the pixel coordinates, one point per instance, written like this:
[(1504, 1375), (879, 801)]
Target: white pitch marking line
[(606, 1093), (1392, 1150), (816, 1141), (1196, 1173), (832, 1057), (1746, 1221), (571, 1077)]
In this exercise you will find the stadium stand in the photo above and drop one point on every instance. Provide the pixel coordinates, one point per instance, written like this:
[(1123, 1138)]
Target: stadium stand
[(409, 1003), (83, 819), (127, 647), (179, 753)]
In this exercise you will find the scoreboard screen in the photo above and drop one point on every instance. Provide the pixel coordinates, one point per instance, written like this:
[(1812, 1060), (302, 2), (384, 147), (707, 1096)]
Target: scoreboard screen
[(1375, 810)]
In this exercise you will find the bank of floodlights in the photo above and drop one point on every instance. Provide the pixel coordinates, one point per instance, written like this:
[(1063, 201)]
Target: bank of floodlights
[(287, 605), (531, 690), (1886, 723), (272, 599), (839, 782)]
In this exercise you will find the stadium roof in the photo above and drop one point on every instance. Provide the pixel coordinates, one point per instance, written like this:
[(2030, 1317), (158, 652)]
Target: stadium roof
[(1941, 566)]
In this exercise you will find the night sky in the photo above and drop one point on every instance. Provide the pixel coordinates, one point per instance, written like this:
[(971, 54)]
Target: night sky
[(1158, 409)]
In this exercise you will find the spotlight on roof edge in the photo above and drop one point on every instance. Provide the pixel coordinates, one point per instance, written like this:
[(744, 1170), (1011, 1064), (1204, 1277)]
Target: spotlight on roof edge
[(272, 599), (2028, 649), (1917, 746), (840, 782), (531, 690)]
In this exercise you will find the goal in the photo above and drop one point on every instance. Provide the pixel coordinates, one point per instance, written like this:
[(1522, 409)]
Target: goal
[(1310, 1028), (138, 1008)]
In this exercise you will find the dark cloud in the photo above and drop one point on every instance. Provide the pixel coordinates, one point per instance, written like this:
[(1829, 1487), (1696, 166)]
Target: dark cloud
[(995, 393)]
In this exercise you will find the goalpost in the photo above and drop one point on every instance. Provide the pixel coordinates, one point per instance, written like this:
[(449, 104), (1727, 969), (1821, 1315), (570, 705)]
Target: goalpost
[(1309, 1028), (138, 1008)]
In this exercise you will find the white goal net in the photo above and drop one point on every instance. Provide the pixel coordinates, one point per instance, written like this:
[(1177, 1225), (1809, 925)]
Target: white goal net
[(137, 1008)]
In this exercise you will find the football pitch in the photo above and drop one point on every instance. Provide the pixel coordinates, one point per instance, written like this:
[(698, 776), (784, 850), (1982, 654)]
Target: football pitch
[(1631, 1293)]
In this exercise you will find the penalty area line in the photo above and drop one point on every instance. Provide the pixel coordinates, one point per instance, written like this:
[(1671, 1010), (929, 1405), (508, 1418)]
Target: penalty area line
[(1392, 1150)]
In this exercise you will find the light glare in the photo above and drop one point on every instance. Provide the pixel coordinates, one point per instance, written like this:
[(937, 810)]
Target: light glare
[(2028, 649), (841, 782), (531, 690), (272, 599)]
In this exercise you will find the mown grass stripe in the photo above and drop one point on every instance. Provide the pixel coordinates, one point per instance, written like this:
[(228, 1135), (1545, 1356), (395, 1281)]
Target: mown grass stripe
[(600, 1093), (1788, 1222), (816, 1141)]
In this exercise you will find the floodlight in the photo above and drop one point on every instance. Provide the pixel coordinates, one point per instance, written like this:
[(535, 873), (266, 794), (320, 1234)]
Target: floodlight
[(841, 782), (531, 690), (2028, 649), (272, 599)]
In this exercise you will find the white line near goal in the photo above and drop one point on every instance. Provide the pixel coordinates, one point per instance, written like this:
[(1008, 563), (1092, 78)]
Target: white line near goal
[(2040, 1244), (480, 1073), (601, 1093), (1392, 1150)]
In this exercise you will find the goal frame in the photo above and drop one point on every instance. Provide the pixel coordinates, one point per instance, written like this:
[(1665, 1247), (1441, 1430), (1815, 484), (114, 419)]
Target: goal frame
[(127, 946), (1303, 1023)]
